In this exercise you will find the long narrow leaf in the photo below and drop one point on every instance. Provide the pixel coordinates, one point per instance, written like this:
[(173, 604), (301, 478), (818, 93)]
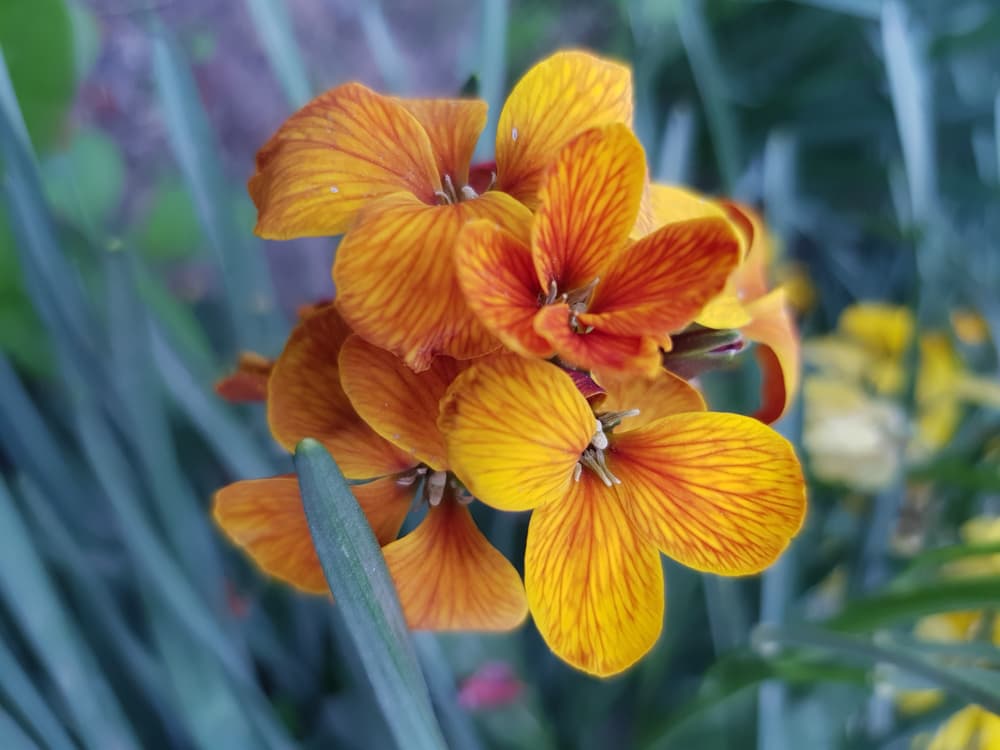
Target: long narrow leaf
[(359, 580)]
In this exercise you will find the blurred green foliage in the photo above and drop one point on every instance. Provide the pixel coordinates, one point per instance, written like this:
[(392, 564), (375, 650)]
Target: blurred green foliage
[(868, 131)]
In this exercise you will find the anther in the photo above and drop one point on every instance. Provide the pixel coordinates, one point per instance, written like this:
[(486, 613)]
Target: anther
[(611, 419), (435, 487), (468, 193), (599, 440)]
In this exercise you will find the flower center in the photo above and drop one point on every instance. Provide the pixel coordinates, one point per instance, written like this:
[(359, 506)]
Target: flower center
[(594, 455), (449, 194), (578, 301), (438, 485)]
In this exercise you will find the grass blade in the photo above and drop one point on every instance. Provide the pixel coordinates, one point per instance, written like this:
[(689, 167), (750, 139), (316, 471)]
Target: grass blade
[(359, 580), (274, 28), (18, 692)]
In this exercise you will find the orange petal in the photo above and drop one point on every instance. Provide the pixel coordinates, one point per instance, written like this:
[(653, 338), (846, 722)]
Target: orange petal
[(249, 382), (449, 577), (399, 404), (662, 282), (595, 587), (453, 126), (515, 429), (305, 400), (656, 397), (720, 493), (265, 517), (335, 155), (395, 276), (589, 201), (778, 353), (498, 279), (597, 350), (750, 277), (556, 100)]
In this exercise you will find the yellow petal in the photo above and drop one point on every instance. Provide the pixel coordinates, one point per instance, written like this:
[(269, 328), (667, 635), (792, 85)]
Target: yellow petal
[(395, 276), (265, 517), (305, 399), (589, 201), (498, 279), (449, 577), (884, 329), (724, 310), (595, 587), (720, 493), (399, 404), (555, 101), (453, 126), (972, 728), (656, 397), (671, 203), (334, 156), (515, 429)]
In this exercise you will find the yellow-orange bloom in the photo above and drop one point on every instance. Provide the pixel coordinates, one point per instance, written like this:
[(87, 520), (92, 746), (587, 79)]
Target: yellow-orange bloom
[(611, 487), (394, 174), (580, 288), (747, 303), (378, 420)]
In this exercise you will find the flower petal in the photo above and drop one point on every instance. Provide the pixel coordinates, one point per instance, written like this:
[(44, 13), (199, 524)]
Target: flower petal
[(399, 404), (249, 382), (671, 204), (656, 397), (720, 493), (598, 349), (595, 587), (515, 429), (395, 276), (660, 283), (305, 400), (555, 101), (453, 127), (589, 201), (498, 279), (335, 155), (266, 518), (778, 353), (449, 577)]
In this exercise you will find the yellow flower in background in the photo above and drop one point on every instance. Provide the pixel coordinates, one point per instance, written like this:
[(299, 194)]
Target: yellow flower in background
[(856, 431), (972, 728)]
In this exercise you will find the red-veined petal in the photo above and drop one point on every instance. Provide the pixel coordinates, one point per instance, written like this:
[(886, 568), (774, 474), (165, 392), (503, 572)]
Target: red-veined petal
[(595, 586), (556, 100), (720, 493), (395, 276), (655, 397), (453, 127), (660, 283), (266, 518), (305, 399), (335, 155), (589, 201), (498, 279), (598, 349), (399, 404), (515, 429), (449, 577), (777, 351), (249, 382)]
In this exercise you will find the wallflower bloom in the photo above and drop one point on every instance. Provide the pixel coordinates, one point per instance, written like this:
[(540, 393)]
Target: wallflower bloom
[(381, 426), (746, 304), (580, 288), (610, 487), (394, 174)]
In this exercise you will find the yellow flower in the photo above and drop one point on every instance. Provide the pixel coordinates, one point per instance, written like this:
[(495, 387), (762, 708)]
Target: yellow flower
[(639, 469), (972, 728), (394, 175)]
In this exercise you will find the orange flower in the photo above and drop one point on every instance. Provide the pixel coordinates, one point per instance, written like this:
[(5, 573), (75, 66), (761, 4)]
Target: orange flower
[(581, 289), (378, 420), (610, 487), (395, 172), (746, 303)]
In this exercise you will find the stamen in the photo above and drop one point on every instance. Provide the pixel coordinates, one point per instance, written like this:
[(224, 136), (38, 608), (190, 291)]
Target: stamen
[(599, 440), (493, 181), (593, 459), (611, 419), (435, 487), (443, 197), (577, 471), (468, 193)]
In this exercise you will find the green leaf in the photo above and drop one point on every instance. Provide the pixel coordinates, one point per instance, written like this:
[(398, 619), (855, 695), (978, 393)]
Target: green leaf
[(274, 28), (19, 692), (36, 37), (366, 596)]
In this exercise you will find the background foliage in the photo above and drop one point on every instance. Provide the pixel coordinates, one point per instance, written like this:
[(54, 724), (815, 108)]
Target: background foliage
[(129, 281)]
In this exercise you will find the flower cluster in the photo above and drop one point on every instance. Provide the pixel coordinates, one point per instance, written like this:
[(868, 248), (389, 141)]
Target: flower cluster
[(511, 334)]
